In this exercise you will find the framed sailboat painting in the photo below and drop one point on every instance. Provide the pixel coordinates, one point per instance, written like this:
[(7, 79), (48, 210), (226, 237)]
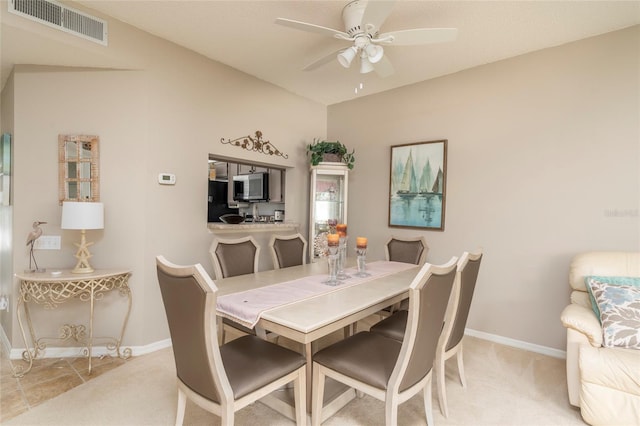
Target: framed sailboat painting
[(417, 187)]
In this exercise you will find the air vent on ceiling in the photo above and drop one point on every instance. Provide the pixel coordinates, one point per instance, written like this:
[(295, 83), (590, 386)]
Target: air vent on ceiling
[(62, 17)]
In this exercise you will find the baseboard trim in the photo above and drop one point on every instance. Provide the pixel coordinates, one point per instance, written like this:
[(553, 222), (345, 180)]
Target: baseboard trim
[(71, 352), (531, 347)]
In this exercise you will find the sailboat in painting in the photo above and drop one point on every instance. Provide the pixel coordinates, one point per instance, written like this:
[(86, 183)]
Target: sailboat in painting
[(426, 181), (408, 187), (438, 184)]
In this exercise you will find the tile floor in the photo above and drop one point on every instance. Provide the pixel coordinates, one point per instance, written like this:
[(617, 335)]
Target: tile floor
[(49, 378)]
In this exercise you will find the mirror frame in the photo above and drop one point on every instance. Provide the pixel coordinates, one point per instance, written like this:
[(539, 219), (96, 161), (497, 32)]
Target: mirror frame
[(82, 142)]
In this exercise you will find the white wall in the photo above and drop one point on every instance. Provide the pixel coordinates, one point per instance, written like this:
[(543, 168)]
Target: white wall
[(165, 110), (542, 149)]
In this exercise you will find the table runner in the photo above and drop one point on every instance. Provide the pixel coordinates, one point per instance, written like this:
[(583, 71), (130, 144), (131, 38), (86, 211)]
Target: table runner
[(246, 307)]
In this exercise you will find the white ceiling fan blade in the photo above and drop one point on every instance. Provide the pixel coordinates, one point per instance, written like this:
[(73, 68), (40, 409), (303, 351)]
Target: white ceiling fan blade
[(322, 61), (383, 68), (305, 26), (376, 12), (418, 36)]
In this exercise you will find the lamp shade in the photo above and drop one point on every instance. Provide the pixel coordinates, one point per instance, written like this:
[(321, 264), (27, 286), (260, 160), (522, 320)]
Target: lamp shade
[(374, 53), (346, 56), (365, 65), (82, 215)]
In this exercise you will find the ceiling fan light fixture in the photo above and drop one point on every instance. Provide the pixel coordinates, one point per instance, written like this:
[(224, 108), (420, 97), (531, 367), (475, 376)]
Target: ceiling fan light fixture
[(374, 53), (365, 65), (346, 56)]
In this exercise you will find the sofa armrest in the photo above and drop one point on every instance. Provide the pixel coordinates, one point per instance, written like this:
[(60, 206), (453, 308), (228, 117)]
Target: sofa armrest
[(583, 320), (609, 391)]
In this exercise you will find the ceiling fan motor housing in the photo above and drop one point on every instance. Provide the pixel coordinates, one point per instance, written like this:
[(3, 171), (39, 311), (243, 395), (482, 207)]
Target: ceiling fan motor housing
[(352, 15)]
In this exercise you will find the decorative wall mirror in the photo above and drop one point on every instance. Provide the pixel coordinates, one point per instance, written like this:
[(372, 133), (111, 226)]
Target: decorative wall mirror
[(78, 171)]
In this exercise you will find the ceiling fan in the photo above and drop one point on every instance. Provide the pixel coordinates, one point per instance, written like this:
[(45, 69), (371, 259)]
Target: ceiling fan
[(362, 21)]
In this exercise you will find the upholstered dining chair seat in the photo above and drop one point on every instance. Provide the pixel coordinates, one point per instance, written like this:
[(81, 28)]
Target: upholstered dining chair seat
[(367, 357), (251, 363), (392, 326)]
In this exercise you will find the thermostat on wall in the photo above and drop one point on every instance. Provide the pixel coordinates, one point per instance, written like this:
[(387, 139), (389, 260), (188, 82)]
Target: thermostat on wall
[(167, 179)]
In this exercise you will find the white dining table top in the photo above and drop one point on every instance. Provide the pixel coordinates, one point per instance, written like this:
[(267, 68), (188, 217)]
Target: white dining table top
[(311, 318)]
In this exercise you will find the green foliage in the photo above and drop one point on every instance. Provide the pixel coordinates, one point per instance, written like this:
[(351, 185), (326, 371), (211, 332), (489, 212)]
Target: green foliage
[(318, 148)]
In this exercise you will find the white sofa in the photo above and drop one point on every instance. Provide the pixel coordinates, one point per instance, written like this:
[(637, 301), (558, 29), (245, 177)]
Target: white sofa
[(603, 382)]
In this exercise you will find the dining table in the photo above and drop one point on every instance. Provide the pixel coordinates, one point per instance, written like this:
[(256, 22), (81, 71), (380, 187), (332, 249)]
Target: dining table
[(297, 303)]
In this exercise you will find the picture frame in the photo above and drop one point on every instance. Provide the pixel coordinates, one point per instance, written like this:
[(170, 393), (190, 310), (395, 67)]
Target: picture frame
[(417, 185)]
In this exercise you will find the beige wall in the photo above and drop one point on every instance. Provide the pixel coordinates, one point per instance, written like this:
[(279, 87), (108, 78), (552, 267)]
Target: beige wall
[(167, 113), (543, 163)]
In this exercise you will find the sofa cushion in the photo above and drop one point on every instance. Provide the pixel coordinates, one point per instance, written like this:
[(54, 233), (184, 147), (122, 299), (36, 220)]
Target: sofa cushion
[(602, 263), (619, 307), (634, 281)]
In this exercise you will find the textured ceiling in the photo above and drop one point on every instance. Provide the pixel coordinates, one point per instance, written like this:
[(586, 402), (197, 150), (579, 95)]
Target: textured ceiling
[(242, 34)]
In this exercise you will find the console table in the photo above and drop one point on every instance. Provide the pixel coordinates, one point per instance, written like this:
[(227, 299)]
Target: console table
[(51, 289)]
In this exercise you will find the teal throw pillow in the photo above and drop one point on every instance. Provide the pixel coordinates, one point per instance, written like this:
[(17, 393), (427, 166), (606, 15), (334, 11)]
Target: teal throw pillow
[(632, 281)]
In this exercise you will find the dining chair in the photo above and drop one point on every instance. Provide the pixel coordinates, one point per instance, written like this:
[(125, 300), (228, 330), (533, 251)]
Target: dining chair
[(390, 370), (455, 322), (232, 257), (237, 256), (220, 379), (407, 250), (288, 250)]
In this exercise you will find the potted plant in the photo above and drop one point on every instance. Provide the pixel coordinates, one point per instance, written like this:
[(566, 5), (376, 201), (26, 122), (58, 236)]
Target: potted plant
[(330, 151)]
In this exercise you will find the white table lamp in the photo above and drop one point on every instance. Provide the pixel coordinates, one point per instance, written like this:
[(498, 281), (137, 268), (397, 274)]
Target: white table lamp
[(82, 216)]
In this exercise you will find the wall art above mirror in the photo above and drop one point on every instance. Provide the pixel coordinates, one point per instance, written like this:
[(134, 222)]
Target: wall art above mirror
[(78, 171)]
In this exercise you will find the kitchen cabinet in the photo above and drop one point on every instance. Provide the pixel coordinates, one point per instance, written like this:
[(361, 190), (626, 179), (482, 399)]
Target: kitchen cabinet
[(328, 201), (245, 169)]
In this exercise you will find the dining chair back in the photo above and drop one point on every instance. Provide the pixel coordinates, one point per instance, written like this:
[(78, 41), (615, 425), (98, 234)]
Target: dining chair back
[(400, 369), (455, 323), (288, 250), (221, 379), (233, 257), (406, 249)]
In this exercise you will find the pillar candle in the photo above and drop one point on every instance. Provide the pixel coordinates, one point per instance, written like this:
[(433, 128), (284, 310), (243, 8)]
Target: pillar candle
[(333, 239), (361, 242)]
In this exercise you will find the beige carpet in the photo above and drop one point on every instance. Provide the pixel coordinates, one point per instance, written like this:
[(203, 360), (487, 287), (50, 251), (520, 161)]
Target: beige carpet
[(506, 386)]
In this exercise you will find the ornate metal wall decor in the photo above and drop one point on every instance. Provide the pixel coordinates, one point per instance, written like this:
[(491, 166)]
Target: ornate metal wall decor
[(255, 144)]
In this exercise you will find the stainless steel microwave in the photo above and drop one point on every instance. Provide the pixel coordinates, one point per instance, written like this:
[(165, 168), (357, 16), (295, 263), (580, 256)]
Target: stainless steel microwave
[(251, 187)]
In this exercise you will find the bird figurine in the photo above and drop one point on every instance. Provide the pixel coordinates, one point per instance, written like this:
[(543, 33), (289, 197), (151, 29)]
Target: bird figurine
[(31, 240)]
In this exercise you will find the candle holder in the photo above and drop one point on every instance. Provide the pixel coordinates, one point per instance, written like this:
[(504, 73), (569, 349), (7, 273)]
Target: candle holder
[(333, 248), (361, 253), (342, 258)]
